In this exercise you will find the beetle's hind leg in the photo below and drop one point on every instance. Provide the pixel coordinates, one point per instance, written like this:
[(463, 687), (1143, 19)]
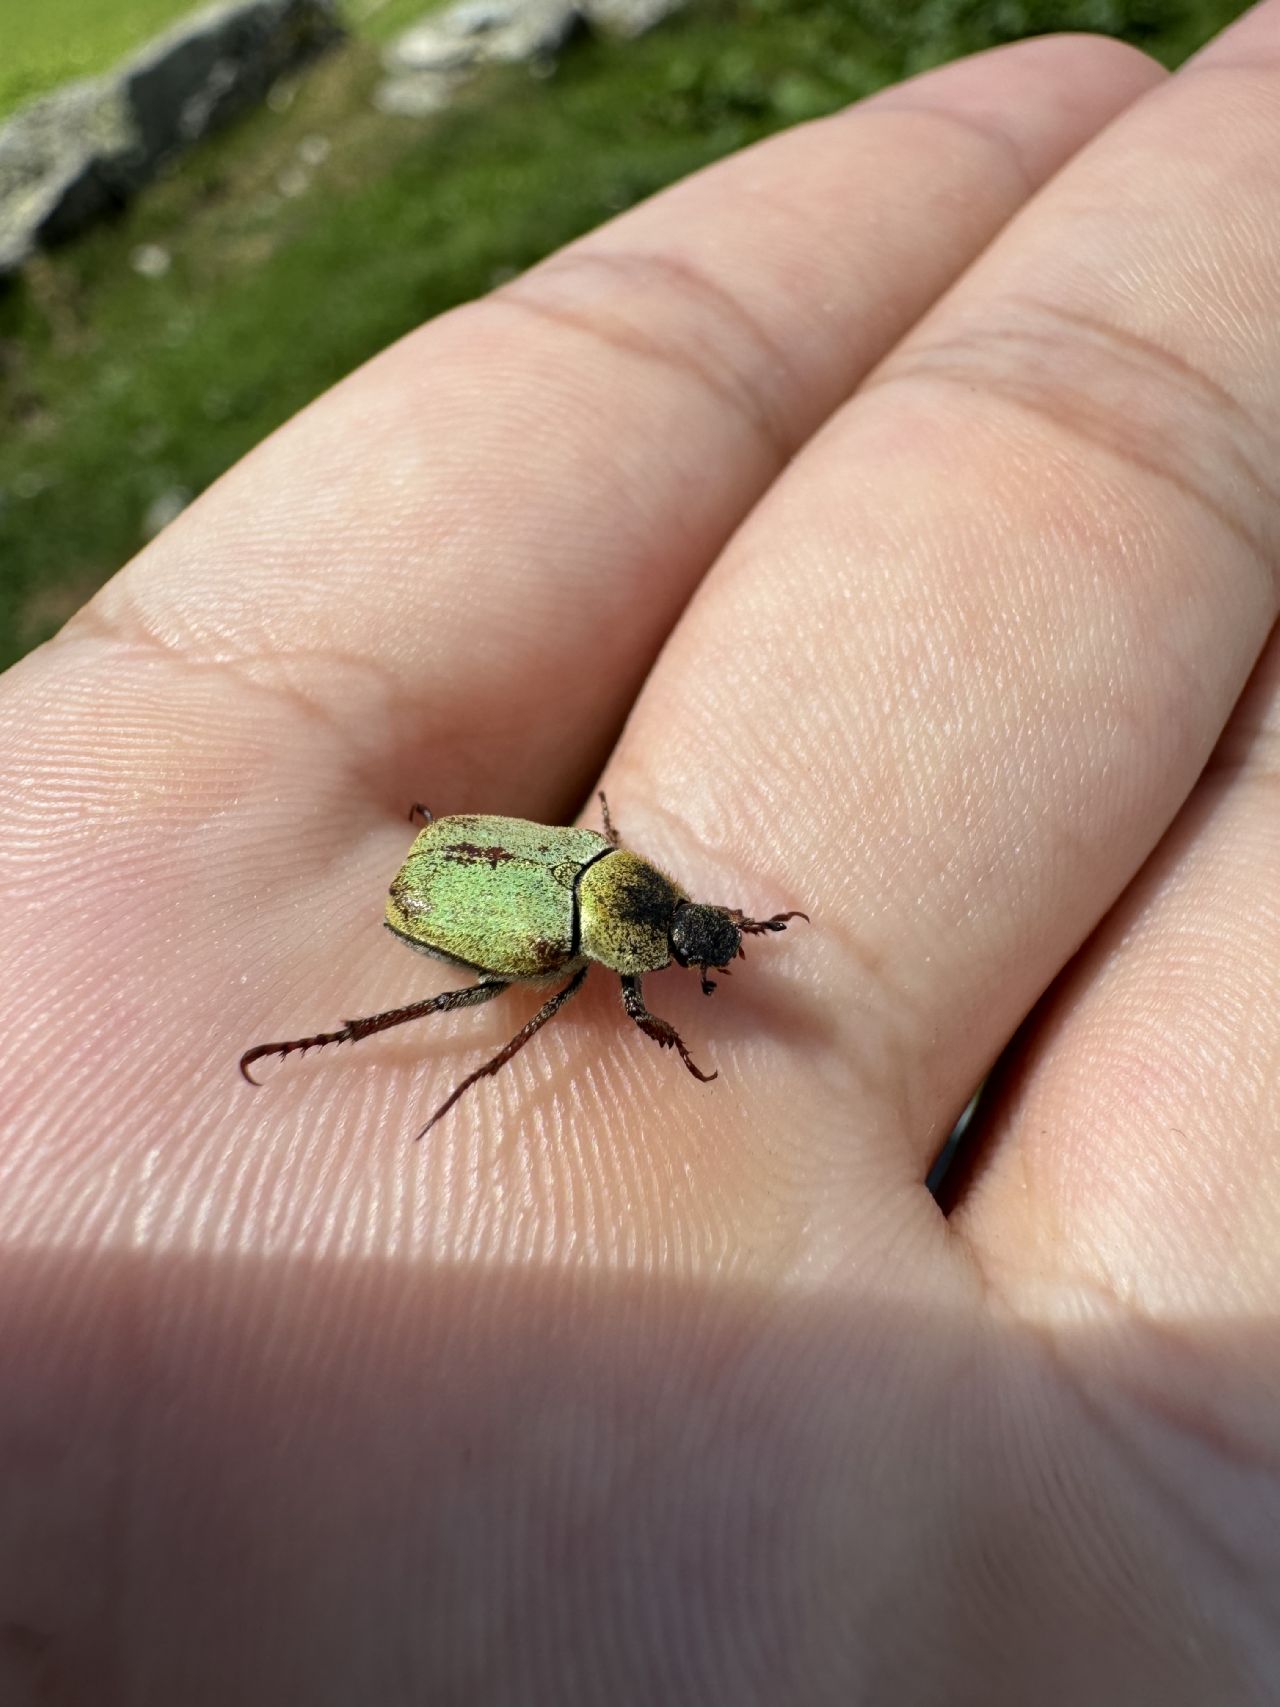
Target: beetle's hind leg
[(355, 1029), (548, 1011), (611, 834), (663, 1034)]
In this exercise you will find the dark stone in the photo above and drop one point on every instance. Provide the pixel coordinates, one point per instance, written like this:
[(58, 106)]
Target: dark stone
[(75, 154)]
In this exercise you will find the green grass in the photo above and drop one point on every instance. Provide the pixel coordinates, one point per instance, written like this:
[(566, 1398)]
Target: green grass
[(47, 42), (123, 388)]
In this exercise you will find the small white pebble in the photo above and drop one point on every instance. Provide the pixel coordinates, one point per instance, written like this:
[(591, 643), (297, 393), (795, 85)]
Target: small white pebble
[(293, 181), (151, 260), (163, 509)]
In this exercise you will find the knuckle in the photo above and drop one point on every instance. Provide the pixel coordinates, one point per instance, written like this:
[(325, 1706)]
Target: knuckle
[(664, 310), (1120, 395)]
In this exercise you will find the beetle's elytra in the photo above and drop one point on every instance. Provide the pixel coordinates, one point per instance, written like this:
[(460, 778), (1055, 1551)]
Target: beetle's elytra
[(516, 902)]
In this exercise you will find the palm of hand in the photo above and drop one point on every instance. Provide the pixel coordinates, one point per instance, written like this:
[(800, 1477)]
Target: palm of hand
[(625, 1388)]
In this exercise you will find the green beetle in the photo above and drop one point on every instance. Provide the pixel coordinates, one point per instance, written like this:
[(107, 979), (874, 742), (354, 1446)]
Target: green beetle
[(517, 902)]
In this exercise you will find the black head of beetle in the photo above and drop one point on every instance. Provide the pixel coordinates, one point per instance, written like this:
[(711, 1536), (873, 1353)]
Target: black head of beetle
[(704, 936)]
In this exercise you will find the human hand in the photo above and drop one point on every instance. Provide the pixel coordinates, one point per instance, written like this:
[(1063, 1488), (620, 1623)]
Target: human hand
[(623, 1388)]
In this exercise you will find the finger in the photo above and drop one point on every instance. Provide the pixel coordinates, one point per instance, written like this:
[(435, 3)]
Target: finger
[(961, 668), (1134, 1148), (464, 558)]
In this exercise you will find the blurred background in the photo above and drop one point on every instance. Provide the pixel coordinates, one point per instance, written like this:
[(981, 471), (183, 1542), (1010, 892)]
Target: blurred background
[(380, 164)]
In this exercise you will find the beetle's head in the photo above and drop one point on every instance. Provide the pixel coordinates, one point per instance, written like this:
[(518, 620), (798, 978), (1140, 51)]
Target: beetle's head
[(704, 936)]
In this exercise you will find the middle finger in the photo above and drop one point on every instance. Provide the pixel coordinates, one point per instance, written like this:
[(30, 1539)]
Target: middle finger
[(954, 678)]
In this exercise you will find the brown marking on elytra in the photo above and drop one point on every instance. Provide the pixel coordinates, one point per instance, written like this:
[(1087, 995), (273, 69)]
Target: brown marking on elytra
[(547, 954), (467, 853)]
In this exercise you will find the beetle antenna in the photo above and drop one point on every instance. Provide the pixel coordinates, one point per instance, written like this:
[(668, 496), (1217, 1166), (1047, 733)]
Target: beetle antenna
[(418, 810), (754, 927)]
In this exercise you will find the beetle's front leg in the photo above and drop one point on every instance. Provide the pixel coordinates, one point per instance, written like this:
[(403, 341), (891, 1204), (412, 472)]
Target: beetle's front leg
[(664, 1035)]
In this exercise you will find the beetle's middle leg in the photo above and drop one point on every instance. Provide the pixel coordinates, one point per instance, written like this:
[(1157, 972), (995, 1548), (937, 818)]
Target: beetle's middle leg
[(663, 1034), (355, 1029), (548, 1011)]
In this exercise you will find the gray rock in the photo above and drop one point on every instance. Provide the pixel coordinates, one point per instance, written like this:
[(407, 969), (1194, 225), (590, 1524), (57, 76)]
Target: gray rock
[(482, 32), (61, 161), (68, 157), (626, 17), (417, 94), (429, 61), (216, 63), (426, 47)]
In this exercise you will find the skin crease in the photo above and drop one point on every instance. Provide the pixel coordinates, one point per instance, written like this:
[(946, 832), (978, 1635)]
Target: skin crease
[(621, 1387)]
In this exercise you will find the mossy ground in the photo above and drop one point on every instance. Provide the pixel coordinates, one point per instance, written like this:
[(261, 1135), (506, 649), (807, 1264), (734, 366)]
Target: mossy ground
[(117, 388)]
